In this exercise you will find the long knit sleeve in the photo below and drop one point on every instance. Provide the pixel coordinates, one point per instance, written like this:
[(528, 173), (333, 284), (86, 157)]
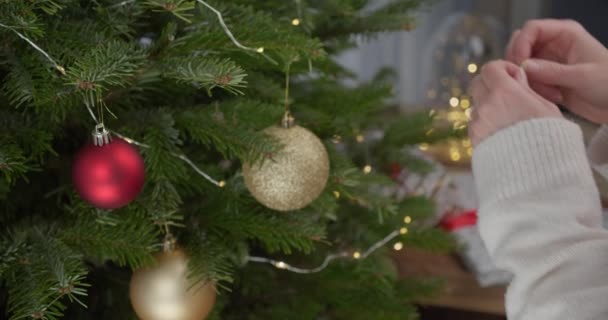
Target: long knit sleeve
[(598, 151), (540, 218)]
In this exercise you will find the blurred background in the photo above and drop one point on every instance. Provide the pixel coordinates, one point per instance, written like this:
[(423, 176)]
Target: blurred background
[(434, 61)]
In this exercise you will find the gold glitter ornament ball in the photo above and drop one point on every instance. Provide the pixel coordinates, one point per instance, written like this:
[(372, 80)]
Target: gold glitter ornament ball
[(162, 292), (294, 177)]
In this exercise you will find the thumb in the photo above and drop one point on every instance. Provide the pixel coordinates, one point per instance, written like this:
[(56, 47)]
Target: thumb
[(521, 77), (552, 73)]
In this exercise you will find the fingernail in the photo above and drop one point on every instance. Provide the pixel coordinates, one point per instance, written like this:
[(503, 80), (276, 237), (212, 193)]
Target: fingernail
[(530, 65), (521, 76)]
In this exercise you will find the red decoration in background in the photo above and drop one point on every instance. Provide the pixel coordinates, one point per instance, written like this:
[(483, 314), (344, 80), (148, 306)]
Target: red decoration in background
[(395, 170), (109, 176), (460, 220)]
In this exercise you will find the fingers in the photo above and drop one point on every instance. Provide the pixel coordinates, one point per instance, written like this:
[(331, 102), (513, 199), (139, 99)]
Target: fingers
[(522, 78), (551, 93), (551, 73), (477, 89), (509, 50), (538, 33), (498, 73)]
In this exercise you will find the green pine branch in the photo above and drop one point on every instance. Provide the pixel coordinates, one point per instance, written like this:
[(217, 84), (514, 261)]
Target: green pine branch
[(127, 238), (163, 140), (111, 64), (207, 73), (432, 240), (230, 135), (341, 19), (240, 217), (13, 162), (332, 108), (256, 29), (181, 9), (211, 259), (47, 275)]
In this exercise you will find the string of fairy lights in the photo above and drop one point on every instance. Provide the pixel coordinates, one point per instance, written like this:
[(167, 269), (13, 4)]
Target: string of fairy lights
[(279, 264), (465, 44), (458, 115)]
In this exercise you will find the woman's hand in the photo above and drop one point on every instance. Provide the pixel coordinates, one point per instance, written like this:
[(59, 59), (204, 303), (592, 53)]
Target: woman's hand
[(502, 98), (564, 64)]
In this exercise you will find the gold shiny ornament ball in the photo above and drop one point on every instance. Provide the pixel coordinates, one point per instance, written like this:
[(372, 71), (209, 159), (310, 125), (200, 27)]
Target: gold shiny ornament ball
[(163, 292), (295, 176)]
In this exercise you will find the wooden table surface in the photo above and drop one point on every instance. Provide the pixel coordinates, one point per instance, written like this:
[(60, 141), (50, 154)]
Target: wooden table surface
[(461, 291)]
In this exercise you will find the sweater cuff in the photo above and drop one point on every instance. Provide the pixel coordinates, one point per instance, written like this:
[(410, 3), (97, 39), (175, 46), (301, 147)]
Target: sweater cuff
[(531, 156), (598, 151)]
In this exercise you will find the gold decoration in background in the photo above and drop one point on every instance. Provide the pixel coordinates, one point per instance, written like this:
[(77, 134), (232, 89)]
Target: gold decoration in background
[(163, 292), (452, 152), (294, 177), (460, 48)]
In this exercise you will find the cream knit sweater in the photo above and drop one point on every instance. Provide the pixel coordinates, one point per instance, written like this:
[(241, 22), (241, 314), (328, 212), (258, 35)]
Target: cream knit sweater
[(541, 219)]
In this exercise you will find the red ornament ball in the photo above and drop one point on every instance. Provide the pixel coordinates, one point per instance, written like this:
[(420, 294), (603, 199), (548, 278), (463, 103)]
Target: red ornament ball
[(108, 176)]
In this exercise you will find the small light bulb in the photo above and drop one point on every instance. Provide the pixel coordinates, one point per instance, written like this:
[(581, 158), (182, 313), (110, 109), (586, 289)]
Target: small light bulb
[(222, 184), (454, 102), (337, 194), (336, 139), (423, 146), (465, 103), (470, 152), (398, 246), (466, 143), (60, 69), (260, 50), (295, 22), (407, 219), (357, 255), (281, 265), (455, 156), (367, 169), (472, 68), (360, 138), (403, 230)]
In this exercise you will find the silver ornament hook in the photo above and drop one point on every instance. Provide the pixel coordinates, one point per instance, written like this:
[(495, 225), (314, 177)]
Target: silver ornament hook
[(288, 120), (169, 243), (101, 136)]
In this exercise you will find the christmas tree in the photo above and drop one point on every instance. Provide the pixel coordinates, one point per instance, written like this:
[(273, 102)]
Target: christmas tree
[(263, 197)]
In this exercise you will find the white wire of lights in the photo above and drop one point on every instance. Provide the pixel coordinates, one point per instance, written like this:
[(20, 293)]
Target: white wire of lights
[(122, 3), (127, 139), (355, 255), (182, 157), (35, 46), (220, 18)]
